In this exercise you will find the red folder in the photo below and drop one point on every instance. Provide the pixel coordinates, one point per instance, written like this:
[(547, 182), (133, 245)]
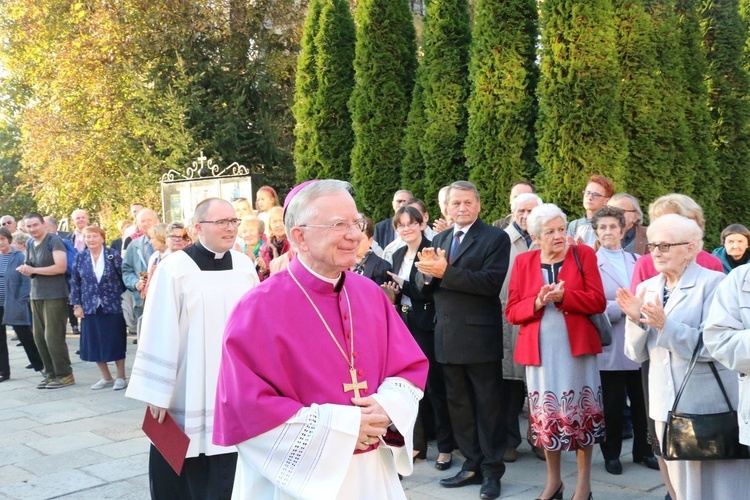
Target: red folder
[(169, 439)]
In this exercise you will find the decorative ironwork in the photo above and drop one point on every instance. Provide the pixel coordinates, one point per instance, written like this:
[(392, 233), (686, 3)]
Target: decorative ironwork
[(204, 168)]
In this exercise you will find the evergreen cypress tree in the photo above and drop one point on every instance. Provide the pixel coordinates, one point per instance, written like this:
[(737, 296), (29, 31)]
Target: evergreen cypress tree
[(384, 66), (578, 129), (724, 36), (412, 165), (652, 96), (500, 145), (445, 86), (333, 134), (697, 179), (306, 87)]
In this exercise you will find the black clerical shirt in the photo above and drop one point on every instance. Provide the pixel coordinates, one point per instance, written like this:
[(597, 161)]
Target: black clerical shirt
[(206, 260)]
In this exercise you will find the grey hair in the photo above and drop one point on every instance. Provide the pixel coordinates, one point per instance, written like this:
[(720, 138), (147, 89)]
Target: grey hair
[(523, 198), (20, 237), (633, 200), (175, 225), (51, 221), (541, 215), (461, 186), (9, 217), (301, 208), (78, 211), (443, 193), (678, 227)]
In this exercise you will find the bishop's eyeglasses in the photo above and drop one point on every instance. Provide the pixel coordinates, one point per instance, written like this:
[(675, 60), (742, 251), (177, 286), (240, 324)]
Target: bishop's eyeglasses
[(339, 227)]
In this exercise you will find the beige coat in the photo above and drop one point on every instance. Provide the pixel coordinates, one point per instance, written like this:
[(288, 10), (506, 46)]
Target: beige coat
[(511, 369)]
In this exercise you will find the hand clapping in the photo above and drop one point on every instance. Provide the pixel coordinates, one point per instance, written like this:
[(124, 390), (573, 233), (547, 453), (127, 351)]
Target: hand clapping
[(432, 262)]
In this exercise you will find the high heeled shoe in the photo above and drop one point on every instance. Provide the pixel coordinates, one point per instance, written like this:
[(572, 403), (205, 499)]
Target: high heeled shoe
[(591, 497), (557, 495)]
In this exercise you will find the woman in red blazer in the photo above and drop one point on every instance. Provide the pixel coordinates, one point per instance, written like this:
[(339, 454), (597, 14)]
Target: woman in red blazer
[(551, 298)]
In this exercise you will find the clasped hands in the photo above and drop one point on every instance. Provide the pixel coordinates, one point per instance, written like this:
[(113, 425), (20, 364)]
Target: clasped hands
[(554, 292), (374, 423), (25, 269), (432, 262), (639, 311)]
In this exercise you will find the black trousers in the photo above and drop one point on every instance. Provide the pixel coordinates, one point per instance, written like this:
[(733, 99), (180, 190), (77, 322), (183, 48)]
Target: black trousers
[(435, 400), (202, 478), (26, 338), (514, 396), (615, 384), (475, 395)]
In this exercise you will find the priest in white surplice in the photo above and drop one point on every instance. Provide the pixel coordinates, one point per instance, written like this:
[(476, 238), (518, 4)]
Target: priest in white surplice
[(320, 379), (189, 300)]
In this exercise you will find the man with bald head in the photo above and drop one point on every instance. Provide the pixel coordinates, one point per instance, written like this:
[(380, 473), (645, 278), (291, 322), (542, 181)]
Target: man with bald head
[(136, 261), (177, 363)]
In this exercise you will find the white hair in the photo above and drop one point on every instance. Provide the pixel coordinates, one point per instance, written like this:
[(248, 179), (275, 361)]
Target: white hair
[(523, 198), (678, 228), (300, 209), (542, 215)]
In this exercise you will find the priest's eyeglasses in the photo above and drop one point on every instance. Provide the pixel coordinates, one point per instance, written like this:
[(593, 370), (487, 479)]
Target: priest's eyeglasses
[(664, 247), (340, 227), (222, 223)]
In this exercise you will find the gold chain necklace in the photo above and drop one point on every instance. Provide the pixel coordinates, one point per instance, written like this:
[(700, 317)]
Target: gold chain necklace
[(355, 385)]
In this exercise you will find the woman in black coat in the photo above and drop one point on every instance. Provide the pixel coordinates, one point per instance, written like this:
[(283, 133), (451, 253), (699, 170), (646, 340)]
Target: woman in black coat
[(418, 312)]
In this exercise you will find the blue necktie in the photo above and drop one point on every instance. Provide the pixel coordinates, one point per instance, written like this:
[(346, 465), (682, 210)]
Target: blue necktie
[(455, 245)]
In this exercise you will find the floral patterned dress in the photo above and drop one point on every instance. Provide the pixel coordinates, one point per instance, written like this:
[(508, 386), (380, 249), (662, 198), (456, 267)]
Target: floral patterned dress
[(565, 393)]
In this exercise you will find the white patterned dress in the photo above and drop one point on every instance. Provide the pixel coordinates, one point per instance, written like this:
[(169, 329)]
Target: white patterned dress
[(566, 412)]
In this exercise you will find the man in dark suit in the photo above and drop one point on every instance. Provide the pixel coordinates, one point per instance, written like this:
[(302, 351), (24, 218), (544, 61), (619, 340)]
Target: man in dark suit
[(384, 232), (466, 269)]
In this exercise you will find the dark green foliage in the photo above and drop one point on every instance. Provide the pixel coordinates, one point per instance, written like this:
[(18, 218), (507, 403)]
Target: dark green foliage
[(305, 91), (697, 176), (578, 129), (652, 98), (500, 145), (384, 65), (445, 85), (412, 166), (333, 136), (724, 35)]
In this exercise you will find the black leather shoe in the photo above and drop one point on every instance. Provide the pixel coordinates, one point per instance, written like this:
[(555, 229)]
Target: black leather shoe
[(613, 466), (444, 465), (650, 462), (490, 489), (463, 478), (422, 455)]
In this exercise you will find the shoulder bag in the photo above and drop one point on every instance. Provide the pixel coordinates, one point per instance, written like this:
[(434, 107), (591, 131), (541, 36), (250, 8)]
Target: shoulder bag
[(712, 436), (601, 320)]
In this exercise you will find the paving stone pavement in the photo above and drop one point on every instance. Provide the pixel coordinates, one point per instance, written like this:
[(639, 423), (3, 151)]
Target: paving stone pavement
[(76, 443)]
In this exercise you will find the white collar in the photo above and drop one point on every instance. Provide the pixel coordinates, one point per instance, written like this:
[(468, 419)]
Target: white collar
[(217, 255), (465, 229), (332, 281)]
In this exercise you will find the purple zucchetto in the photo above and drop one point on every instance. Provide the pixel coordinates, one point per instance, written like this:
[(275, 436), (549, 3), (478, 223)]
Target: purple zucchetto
[(296, 189)]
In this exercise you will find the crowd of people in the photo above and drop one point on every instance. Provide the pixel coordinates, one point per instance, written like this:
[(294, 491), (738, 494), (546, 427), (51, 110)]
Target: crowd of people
[(243, 315)]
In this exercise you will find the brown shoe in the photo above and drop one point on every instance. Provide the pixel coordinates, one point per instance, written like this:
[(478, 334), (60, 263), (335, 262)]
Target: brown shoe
[(510, 455), (539, 452)]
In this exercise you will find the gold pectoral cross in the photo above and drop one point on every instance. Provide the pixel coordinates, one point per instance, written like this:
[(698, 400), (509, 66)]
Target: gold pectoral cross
[(355, 385)]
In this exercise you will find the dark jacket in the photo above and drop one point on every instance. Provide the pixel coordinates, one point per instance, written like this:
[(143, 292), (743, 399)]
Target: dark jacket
[(17, 290), (376, 269), (422, 302), (469, 321), (384, 232), (87, 292)]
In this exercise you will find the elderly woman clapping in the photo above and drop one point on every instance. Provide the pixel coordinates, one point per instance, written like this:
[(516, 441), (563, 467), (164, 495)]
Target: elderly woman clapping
[(552, 292), (665, 319)]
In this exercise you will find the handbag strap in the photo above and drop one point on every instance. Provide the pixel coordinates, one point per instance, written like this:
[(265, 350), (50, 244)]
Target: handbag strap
[(691, 366)]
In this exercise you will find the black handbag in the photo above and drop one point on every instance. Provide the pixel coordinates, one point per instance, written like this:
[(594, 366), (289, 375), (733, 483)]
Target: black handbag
[(712, 436), (601, 320)]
